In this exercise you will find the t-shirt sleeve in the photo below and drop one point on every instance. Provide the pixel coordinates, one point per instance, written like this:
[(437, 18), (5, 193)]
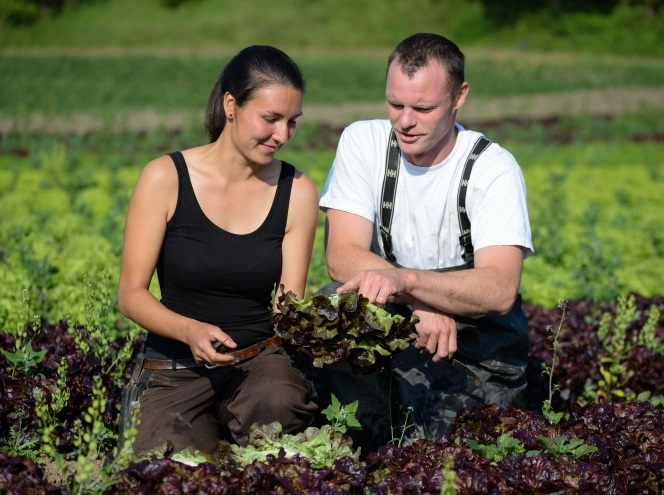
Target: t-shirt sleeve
[(349, 183), (499, 211)]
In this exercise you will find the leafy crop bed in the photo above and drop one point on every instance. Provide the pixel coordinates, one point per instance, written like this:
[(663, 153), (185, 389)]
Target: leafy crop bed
[(606, 442)]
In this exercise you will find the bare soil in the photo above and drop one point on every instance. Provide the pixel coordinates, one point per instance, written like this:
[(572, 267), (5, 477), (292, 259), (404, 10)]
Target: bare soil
[(60, 477), (542, 107), (532, 107)]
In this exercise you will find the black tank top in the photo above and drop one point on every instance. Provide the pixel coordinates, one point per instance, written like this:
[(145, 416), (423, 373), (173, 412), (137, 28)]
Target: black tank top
[(217, 277)]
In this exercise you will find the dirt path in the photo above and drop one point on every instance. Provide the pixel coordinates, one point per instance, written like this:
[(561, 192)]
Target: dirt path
[(606, 102), (594, 102)]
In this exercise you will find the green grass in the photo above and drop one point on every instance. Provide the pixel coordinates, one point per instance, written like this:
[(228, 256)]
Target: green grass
[(57, 85), (324, 25), (210, 24), (104, 85)]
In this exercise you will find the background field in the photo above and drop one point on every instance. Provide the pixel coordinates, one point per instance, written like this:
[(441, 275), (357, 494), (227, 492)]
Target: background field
[(91, 90), (91, 93)]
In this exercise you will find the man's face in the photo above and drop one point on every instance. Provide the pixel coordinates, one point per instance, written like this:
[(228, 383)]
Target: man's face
[(422, 112)]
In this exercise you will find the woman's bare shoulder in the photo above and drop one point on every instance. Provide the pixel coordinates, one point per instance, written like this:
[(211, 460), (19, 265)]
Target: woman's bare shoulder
[(304, 188), (160, 171), (157, 186)]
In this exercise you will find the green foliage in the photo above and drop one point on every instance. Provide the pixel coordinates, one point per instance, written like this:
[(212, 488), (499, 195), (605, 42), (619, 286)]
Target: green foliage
[(20, 328), (597, 246), (61, 393), (505, 446), (594, 263), (342, 418), (57, 256), (24, 359), (321, 446), (24, 12), (561, 446), (398, 440), (20, 443), (449, 486), (549, 230), (627, 27), (174, 3), (18, 12), (93, 438), (119, 92), (48, 405), (123, 452), (61, 237), (547, 408), (618, 339), (47, 416)]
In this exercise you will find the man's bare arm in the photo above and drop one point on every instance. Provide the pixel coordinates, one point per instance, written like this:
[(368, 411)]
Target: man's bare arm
[(348, 246), (490, 287)]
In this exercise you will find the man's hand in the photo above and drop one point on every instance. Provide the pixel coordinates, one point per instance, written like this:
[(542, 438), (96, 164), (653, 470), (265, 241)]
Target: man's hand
[(436, 329), (436, 332), (378, 285)]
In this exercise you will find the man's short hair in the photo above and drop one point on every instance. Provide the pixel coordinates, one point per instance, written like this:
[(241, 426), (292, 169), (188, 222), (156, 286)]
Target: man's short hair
[(418, 50)]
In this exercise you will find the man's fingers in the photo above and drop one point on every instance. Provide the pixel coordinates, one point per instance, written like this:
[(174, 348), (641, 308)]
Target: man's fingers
[(447, 345), (453, 341), (373, 285), (350, 284), (382, 295)]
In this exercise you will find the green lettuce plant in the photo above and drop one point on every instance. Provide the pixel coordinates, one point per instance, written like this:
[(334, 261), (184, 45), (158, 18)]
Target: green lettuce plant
[(618, 339)]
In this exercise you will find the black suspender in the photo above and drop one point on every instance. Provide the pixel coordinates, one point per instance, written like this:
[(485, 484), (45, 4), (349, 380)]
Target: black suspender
[(464, 222), (389, 192)]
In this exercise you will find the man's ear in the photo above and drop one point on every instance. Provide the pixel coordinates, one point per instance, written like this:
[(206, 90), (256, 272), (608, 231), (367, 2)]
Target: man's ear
[(461, 95)]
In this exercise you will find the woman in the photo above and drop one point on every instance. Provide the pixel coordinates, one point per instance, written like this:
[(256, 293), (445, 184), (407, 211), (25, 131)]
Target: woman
[(223, 224)]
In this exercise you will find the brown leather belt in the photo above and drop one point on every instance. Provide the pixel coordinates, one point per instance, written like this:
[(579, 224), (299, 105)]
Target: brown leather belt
[(240, 355)]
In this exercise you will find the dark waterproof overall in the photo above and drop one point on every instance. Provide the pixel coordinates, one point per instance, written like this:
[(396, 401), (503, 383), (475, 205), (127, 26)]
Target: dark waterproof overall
[(430, 394)]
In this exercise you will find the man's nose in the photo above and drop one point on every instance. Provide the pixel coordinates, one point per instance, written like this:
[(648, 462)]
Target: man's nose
[(407, 119)]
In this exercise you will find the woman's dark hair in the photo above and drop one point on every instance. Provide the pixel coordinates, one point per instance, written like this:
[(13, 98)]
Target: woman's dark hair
[(418, 50), (249, 70)]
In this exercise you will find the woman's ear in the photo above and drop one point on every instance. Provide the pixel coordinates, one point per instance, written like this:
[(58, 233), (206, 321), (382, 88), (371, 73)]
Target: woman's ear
[(230, 106)]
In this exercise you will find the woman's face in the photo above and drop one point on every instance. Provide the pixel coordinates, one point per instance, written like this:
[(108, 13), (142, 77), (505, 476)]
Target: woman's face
[(264, 123)]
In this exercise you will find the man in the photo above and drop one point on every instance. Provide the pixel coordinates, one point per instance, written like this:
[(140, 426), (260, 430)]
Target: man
[(431, 220)]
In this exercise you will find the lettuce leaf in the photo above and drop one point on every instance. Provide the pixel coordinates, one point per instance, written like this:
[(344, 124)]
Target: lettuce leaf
[(343, 329), (320, 446)]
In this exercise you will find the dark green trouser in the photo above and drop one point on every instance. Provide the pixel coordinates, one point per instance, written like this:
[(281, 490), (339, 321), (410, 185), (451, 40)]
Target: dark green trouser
[(424, 396)]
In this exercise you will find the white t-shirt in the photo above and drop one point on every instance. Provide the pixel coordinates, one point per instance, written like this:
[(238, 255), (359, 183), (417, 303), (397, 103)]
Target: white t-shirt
[(425, 224)]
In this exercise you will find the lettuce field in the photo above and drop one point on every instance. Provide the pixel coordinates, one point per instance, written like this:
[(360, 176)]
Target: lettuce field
[(590, 421)]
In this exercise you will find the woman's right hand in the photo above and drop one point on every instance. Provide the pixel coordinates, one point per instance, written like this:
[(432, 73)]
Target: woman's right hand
[(201, 338)]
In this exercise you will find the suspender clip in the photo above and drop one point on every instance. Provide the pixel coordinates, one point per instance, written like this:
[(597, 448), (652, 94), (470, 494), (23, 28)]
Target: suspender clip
[(387, 244)]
